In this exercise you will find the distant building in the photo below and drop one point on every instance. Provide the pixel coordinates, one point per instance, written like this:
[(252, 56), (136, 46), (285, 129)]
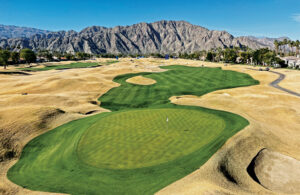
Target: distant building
[(292, 61)]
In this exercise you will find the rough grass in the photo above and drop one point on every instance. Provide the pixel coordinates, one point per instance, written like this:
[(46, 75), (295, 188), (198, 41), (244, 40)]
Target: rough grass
[(119, 152), (69, 66)]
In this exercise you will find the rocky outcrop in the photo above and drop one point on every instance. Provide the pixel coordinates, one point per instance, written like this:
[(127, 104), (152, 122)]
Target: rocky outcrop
[(157, 37)]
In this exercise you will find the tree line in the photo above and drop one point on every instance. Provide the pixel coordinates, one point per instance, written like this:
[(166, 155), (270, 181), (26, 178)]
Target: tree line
[(282, 46), (243, 55), (265, 57), (28, 56)]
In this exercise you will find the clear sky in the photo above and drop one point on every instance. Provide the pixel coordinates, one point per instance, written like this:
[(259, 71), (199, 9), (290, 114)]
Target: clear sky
[(273, 18)]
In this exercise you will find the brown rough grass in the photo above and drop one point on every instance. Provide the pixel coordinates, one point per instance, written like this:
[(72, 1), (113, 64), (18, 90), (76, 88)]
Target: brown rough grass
[(58, 96)]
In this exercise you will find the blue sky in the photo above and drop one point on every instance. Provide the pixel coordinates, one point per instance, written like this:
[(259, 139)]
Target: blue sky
[(273, 18)]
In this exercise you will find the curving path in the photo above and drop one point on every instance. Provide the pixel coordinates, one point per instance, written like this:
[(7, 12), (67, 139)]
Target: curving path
[(278, 80)]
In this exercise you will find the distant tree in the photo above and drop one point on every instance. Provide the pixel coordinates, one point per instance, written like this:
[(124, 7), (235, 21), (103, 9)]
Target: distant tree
[(230, 55), (284, 43), (297, 45), (45, 54), (15, 57), (184, 55), (245, 56), (210, 56), (4, 56), (69, 56), (28, 55), (83, 56), (291, 45), (219, 54), (276, 43), (57, 54), (156, 55), (269, 58)]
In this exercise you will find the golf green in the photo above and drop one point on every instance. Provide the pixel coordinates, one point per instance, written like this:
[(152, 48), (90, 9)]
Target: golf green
[(145, 144), (141, 138)]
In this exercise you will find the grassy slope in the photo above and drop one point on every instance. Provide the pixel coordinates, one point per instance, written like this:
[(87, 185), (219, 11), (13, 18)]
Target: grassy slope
[(50, 162), (69, 66)]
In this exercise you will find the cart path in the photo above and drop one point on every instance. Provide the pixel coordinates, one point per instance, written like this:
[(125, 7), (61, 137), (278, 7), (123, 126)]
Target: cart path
[(278, 80)]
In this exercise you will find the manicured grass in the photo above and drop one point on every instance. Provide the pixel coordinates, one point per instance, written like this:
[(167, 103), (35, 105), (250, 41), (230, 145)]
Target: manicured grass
[(141, 138), (69, 66), (132, 150), (179, 80)]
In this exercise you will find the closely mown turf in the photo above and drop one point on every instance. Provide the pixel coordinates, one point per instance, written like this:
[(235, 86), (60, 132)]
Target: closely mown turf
[(179, 80), (133, 150), (141, 138), (69, 66)]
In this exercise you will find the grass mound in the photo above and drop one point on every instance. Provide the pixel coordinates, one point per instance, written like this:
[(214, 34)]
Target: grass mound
[(131, 150), (69, 66)]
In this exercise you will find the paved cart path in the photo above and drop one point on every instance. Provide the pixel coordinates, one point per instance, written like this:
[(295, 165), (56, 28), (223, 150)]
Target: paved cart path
[(278, 80)]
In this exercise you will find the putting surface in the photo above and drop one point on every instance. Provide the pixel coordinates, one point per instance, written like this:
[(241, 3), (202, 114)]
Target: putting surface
[(142, 138), (131, 150)]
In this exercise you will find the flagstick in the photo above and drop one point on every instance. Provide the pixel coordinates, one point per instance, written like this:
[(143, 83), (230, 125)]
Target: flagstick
[(167, 124)]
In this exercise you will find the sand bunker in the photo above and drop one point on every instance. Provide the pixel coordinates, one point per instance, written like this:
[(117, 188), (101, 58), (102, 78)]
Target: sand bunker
[(140, 80), (276, 172)]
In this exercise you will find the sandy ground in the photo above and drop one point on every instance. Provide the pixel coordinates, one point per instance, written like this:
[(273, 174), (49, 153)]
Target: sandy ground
[(289, 81), (140, 80), (33, 104)]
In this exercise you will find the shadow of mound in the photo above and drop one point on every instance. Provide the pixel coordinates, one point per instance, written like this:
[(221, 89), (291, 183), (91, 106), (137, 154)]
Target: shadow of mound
[(251, 167), (223, 169), (15, 73)]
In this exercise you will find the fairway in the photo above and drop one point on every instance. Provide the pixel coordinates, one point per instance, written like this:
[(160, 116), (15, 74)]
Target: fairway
[(69, 66), (143, 145)]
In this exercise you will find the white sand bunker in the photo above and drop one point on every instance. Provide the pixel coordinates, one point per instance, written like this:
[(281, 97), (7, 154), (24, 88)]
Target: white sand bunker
[(140, 80), (276, 171)]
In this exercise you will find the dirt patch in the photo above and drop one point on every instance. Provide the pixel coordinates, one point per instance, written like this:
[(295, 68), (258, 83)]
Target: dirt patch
[(140, 80)]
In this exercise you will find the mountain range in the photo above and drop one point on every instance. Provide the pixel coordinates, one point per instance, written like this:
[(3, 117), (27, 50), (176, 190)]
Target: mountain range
[(157, 37)]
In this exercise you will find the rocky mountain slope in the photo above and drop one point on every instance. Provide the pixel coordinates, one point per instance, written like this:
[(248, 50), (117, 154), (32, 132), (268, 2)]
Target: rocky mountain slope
[(252, 42), (157, 37), (9, 31)]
